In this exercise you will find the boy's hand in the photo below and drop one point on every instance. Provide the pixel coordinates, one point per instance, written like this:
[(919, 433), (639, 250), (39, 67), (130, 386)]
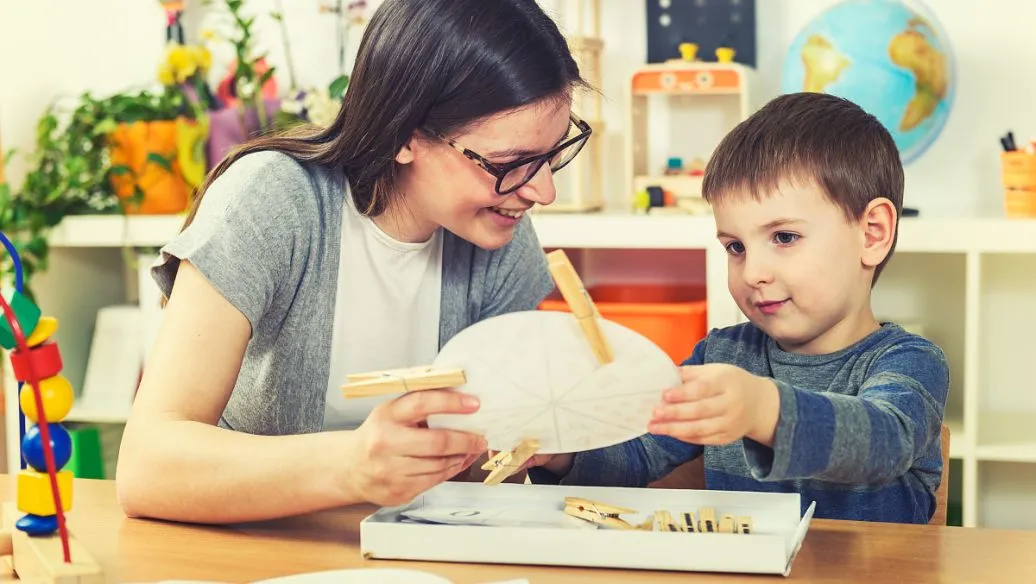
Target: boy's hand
[(718, 404)]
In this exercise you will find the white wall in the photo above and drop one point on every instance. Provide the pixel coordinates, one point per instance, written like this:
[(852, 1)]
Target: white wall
[(52, 47)]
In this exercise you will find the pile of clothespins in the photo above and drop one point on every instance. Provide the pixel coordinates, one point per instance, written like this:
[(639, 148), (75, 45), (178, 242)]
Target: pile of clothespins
[(606, 515)]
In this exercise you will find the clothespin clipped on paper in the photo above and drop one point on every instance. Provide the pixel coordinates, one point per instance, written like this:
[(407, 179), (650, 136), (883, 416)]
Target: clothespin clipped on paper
[(580, 304), (598, 513), (508, 462), (393, 381)]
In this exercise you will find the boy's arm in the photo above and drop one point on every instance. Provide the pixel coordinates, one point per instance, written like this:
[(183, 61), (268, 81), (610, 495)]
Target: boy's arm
[(871, 437), (635, 463)]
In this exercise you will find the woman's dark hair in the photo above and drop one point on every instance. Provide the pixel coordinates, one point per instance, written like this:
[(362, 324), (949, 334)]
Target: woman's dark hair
[(434, 65)]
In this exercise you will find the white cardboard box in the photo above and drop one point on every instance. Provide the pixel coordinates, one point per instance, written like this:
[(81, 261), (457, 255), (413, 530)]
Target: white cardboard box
[(779, 530)]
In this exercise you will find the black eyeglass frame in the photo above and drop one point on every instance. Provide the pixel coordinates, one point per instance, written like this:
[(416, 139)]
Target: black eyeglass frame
[(500, 171)]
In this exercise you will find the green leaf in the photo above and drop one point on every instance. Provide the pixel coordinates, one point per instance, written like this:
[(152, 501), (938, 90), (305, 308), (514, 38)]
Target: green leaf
[(264, 78), (338, 86), (156, 158), (120, 169)]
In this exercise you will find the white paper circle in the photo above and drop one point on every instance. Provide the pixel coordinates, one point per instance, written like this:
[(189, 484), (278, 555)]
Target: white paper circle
[(537, 378)]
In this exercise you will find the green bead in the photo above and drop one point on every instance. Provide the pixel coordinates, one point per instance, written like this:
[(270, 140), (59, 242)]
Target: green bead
[(27, 314)]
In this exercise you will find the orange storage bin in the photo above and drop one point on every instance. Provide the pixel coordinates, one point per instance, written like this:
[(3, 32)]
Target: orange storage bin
[(673, 317)]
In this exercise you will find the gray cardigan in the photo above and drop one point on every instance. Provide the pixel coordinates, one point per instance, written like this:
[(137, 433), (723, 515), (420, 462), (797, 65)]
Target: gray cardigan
[(267, 237)]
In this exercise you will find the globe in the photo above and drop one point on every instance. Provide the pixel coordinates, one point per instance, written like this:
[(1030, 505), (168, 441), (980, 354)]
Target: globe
[(890, 57)]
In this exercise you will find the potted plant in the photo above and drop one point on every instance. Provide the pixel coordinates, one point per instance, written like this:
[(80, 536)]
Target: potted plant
[(157, 156), (248, 94)]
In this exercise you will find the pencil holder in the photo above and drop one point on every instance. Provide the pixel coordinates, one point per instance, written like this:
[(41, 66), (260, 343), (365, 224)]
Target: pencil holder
[(1018, 173)]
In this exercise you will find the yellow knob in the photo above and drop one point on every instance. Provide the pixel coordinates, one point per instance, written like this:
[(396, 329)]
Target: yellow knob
[(725, 55), (688, 51)]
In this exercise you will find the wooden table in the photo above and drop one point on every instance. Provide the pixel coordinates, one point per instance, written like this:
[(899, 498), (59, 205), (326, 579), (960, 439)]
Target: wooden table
[(133, 550)]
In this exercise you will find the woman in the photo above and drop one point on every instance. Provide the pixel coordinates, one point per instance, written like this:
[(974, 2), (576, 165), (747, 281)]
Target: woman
[(362, 247)]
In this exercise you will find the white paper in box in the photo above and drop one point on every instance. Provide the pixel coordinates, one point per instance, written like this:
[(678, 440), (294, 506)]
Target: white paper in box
[(778, 530)]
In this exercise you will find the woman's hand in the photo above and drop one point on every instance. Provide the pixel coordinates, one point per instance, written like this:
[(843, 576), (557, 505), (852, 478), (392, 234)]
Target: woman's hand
[(397, 457)]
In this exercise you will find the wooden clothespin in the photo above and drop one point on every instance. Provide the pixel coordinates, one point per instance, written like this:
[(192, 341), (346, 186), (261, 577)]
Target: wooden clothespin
[(664, 521), (689, 523), (580, 304), (508, 462), (708, 520), (400, 381), (726, 524), (598, 513)]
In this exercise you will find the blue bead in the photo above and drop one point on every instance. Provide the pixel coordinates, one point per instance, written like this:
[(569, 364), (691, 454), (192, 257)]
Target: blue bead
[(60, 442), (37, 525)]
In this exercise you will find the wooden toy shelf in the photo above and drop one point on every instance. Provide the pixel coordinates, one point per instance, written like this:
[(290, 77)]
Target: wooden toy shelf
[(705, 97)]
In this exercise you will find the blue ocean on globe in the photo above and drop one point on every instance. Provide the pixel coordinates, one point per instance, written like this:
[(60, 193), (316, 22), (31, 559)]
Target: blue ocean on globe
[(891, 57)]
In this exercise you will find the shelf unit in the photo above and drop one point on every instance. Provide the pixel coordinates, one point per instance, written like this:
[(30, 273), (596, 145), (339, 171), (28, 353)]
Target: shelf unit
[(968, 282)]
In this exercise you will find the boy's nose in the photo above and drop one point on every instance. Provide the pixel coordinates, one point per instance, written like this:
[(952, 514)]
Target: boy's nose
[(757, 272)]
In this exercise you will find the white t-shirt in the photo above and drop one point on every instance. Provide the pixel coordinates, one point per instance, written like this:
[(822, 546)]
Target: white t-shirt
[(386, 310)]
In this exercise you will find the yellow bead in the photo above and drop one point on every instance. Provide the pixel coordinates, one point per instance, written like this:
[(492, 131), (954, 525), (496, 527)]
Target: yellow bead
[(46, 327), (725, 54), (57, 399), (35, 495)]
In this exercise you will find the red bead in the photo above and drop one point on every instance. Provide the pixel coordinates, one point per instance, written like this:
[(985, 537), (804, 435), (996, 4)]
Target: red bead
[(46, 359)]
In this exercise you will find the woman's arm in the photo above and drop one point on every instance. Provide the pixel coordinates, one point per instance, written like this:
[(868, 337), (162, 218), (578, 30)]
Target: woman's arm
[(176, 464)]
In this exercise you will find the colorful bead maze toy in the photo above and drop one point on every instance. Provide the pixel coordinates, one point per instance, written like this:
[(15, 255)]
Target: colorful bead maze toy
[(39, 547)]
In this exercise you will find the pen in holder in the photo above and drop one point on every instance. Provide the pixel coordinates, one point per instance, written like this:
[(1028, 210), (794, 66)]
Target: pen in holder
[(1018, 173)]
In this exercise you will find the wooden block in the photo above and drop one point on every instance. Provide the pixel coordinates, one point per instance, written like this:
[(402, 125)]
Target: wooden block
[(726, 524), (25, 312), (744, 525), (45, 360), (35, 495), (7, 565), (708, 520), (41, 558), (6, 547), (45, 328)]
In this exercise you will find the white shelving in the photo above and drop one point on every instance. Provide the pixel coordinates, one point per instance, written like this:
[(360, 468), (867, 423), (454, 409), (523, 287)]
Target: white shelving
[(969, 282)]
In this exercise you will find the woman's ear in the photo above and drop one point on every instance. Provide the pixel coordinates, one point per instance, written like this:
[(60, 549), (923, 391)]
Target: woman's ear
[(412, 148), (878, 224)]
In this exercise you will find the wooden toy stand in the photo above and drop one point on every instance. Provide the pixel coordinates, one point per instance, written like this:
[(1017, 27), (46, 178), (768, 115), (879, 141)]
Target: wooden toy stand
[(35, 543), (580, 184), (704, 101)]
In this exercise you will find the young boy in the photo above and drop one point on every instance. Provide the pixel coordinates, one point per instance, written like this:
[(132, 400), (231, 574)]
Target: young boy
[(813, 395)]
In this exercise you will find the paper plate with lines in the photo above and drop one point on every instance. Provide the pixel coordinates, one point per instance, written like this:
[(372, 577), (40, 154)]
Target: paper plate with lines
[(537, 378)]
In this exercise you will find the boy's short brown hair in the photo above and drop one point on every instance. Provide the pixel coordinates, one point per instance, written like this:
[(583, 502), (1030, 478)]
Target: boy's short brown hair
[(813, 138)]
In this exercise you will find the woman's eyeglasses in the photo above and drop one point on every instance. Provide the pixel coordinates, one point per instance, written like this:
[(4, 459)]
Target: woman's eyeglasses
[(511, 176)]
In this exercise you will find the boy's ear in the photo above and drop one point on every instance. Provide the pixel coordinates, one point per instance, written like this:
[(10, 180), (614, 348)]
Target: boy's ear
[(879, 229)]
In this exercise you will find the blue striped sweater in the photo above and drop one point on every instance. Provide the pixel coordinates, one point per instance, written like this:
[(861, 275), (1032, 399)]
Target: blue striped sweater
[(859, 429)]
